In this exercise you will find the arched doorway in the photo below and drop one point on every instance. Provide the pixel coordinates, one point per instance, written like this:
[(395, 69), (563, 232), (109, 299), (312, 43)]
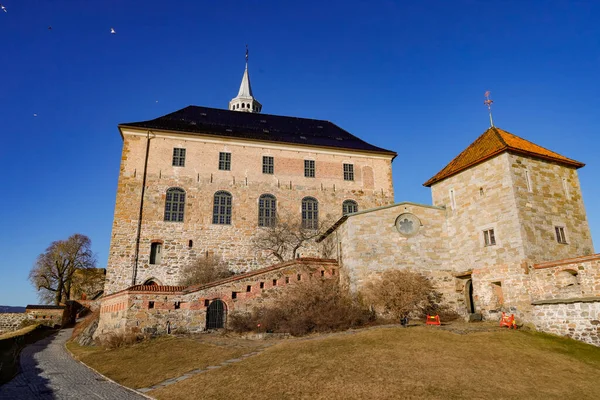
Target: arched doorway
[(151, 282), (469, 296), (215, 315)]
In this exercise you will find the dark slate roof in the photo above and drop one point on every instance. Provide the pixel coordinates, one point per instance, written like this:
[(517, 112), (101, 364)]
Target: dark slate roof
[(263, 127), (43, 307)]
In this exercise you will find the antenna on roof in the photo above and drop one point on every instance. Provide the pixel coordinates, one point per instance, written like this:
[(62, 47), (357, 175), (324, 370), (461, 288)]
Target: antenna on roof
[(488, 102)]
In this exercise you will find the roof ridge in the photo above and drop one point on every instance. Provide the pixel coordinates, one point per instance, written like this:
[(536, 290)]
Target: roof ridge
[(498, 135)]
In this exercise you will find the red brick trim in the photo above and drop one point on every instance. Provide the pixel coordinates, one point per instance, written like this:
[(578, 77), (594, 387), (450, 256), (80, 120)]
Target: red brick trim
[(566, 261), (298, 261)]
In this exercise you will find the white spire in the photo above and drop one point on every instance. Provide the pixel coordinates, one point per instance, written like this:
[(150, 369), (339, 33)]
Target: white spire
[(245, 101), (245, 88)]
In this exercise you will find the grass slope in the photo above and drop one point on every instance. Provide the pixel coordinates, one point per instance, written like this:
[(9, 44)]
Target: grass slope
[(393, 363)]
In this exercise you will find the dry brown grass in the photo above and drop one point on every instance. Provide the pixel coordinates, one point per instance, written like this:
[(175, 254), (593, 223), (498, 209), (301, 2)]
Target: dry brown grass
[(19, 332), (396, 363), (154, 361)]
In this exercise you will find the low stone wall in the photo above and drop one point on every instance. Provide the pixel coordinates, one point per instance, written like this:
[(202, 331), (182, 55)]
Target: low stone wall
[(163, 309), (11, 321), (577, 318)]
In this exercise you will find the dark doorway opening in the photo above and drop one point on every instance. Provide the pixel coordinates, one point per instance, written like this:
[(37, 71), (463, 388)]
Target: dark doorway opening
[(469, 296), (215, 315)]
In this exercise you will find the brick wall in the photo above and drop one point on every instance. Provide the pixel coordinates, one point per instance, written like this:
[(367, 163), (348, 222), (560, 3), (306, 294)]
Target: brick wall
[(11, 321), (201, 178), (156, 309)]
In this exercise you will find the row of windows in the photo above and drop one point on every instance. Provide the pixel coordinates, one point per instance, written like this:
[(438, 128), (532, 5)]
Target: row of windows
[(268, 164), (489, 237), (237, 106), (267, 208)]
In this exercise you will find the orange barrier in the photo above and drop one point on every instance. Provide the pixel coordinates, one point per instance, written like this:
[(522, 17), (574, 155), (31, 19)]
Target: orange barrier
[(433, 320), (507, 321)]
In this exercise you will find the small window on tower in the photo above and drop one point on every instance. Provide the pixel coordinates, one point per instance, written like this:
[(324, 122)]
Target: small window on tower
[(489, 237), (268, 165), (560, 234), (309, 168)]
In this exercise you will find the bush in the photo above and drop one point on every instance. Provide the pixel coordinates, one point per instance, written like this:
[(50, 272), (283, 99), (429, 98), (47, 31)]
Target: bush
[(316, 306), (205, 270), (401, 292), (117, 340)]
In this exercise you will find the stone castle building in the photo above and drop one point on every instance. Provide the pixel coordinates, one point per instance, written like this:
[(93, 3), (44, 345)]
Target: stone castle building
[(204, 180), (506, 231)]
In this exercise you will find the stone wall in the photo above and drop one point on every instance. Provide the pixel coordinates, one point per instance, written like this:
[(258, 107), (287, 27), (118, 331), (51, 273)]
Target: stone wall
[(48, 315), (483, 199), (552, 198), (201, 178), (369, 243), (158, 309), (11, 321), (575, 318)]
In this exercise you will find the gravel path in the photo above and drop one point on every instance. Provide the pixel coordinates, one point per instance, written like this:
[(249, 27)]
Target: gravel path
[(49, 372)]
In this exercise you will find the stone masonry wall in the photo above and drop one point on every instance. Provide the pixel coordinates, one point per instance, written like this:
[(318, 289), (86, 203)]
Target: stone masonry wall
[(579, 320), (184, 309), (11, 321), (201, 178), (554, 199), (483, 199), (369, 243)]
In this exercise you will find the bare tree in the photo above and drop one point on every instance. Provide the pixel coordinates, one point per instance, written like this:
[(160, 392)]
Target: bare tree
[(204, 270), (53, 271), (287, 236), (400, 292)]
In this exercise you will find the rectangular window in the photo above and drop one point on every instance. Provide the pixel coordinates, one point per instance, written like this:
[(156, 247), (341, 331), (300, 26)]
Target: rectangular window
[(560, 234), (262, 285), (287, 279), (155, 253), (528, 179), (299, 277), (206, 303), (348, 172), (452, 199), (268, 165), (150, 304), (489, 238), (566, 188), (177, 305), (309, 168), (225, 161), (178, 157), (274, 282), (248, 288), (233, 295)]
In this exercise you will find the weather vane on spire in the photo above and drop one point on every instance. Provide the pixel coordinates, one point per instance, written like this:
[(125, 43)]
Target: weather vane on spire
[(488, 102), (246, 54)]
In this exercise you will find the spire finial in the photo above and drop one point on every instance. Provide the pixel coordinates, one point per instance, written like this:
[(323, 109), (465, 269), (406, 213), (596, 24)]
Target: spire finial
[(246, 55), (488, 102)]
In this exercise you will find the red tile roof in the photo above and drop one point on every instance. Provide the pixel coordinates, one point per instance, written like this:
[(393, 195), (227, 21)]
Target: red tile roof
[(493, 142)]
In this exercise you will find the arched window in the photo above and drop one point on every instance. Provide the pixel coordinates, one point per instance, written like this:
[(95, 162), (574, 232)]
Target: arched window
[(174, 205), (349, 206), (243, 105), (267, 210), (222, 208), (310, 213)]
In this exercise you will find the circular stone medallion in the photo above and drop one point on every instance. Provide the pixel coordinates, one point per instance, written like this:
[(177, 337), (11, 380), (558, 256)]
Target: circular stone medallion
[(408, 224)]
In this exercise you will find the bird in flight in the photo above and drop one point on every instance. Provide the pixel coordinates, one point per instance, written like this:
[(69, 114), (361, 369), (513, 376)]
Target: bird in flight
[(112, 30), (3, 8)]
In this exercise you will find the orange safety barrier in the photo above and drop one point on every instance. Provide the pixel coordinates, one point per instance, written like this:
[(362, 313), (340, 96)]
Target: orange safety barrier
[(508, 321), (433, 320)]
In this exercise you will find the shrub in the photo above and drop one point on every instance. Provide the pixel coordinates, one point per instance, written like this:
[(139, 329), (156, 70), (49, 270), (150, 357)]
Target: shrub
[(401, 292), (117, 340), (314, 306), (205, 270)]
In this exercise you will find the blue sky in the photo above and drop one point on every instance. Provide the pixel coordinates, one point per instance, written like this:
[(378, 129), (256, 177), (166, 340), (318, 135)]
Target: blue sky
[(407, 76)]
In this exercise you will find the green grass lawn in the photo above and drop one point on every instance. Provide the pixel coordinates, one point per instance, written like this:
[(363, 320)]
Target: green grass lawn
[(381, 363)]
